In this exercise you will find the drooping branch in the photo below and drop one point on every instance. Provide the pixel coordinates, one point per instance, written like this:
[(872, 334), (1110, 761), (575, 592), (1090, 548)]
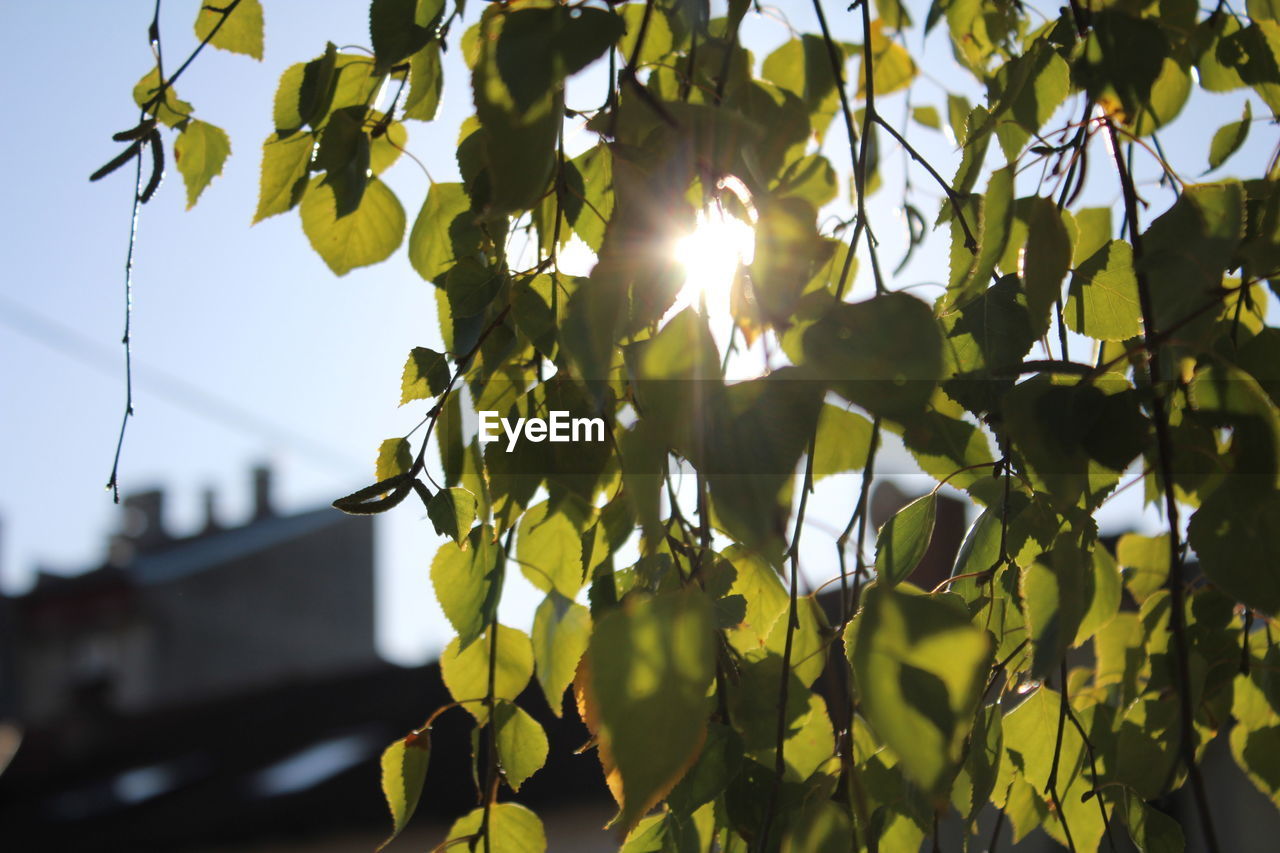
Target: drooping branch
[(1164, 452)]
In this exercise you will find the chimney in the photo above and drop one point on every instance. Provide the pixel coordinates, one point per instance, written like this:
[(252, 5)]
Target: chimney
[(141, 527), (262, 492), (209, 497)]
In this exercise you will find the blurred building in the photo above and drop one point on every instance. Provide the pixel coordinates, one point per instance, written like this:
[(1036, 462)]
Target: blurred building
[(221, 691), (169, 620)]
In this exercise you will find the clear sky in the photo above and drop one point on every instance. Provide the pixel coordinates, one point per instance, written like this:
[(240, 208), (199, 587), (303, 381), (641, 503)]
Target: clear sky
[(246, 347)]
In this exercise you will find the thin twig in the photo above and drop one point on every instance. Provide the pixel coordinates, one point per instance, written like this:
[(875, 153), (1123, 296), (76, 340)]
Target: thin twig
[(857, 146), (793, 622), (1051, 787), (113, 483), (1164, 449)]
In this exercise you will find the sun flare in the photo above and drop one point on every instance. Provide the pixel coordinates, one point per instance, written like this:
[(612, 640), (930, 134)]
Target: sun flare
[(710, 255)]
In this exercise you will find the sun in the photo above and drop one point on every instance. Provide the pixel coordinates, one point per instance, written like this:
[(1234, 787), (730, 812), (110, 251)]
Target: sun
[(710, 255)]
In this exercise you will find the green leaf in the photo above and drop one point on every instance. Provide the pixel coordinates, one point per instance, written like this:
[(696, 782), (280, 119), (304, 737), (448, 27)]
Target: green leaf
[(986, 339), (404, 770), (1129, 68), (658, 39), (549, 549), (894, 14), (315, 91), (809, 641), (1146, 563), (1237, 537), (754, 437), (920, 666), (994, 228), (1186, 250), (344, 154), (426, 82), (788, 251), (426, 374), (1102, 592), (444, 231), (1255, 54), (810, 178), (1228, 138), (595, 166), (367, 236), (1075, 439), (284, 174), (512, 829), (519, 62), (1032, 87), (466, 670), (903, 539), (538, 48), (1152, 831), (399, 28), (561, 630), (892, 65), (522, 744), (199, 151), (927, 116), (1102, 300), (958, 110), (395, 456), (1054, 598), (1029, 738), (803, 66), (467, 580), (716, 766), (1093, 233), (452, 512), (1045, 262), (171, 111), (766, 597), (652, 663), (241, 31), (287, 108), (385, 150), (843, 442), (1216, 46), (885, 354)]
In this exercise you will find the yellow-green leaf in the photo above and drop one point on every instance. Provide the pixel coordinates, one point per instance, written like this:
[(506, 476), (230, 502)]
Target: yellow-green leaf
[(444, 224), (561, 631), (170, 111), (404, 769), (466, 671), (366, 236), (200, 151), (466, 580), (425, 375), (285, 163), (512, 829), (1228, 138), (452, 512), (522, 744), (920, 666), (395, 456), (652, 663), (549, 549), (1102, 300), (904, 538), (240, 30)]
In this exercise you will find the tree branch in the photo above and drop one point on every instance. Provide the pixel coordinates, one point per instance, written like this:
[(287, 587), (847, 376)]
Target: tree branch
[(1164, 450)]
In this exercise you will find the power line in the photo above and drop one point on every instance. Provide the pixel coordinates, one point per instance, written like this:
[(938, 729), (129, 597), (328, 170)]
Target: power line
[(173, 388)]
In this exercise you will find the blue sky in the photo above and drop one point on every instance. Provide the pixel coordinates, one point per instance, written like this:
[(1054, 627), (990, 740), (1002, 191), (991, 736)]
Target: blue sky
[(274, 358)]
